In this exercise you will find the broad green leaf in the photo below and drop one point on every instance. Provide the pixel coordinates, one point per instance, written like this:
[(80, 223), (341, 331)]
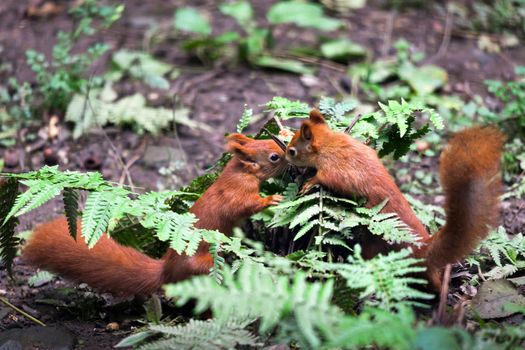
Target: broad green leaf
[(423, 80), (240, 10), (303, 14), (342, 49), (284, 64), (190, 20)]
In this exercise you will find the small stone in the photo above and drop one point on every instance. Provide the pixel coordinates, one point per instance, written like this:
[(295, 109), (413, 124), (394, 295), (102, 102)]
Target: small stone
[(112, 326)]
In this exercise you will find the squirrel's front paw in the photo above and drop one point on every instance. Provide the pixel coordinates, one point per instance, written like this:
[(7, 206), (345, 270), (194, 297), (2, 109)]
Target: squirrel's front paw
[(274, 199), (308, 185)]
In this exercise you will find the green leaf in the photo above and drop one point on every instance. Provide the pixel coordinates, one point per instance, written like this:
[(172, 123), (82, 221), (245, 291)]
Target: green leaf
[(70, 199), (97, 213), (246, 117), (284, 64), (190, 20), (40, 278), (303, 14), (240, 10), (134, 339), (342, 49), (128, 110), (423, 80), (8, 240)]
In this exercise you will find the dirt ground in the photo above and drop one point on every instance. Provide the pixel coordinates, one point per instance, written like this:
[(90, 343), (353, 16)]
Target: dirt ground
[(215, 96)]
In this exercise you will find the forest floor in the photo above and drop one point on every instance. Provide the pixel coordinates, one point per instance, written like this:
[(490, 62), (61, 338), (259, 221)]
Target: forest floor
[(215, 96)]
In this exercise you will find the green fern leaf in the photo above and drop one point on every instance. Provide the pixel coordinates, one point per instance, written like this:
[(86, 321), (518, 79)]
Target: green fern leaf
[(245, 119), (8, 241), (96, 216), (70, 198), (197, 334), (307, 214)]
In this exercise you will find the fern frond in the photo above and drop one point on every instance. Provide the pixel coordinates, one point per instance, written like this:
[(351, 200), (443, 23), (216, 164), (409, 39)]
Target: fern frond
[(307, 214), (256, 293), (286, 109), (499, 245), (383, 328), (70, 199), (197, 334), (97, 213), (384, 276), (8, 241), (245, 120)]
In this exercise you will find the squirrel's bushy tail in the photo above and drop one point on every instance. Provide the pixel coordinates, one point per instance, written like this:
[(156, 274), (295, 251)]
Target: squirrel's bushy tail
[(108, 266), (471, 180)]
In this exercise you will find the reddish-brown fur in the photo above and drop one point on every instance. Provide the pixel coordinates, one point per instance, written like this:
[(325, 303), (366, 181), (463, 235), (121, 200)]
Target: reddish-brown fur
[(111, 267), (469, 174)]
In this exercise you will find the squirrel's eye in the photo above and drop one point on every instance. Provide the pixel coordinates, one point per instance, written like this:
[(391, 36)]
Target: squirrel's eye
[(274, 157)]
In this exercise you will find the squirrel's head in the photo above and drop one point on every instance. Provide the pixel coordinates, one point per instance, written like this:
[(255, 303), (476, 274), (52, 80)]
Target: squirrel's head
[(263, 158), (306, 142)]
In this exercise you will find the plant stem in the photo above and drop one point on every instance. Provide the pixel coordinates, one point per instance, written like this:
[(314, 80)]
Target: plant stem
[(25, 314)]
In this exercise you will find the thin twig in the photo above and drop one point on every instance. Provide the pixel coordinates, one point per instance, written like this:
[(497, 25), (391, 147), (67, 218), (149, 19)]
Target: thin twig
[(387, 42), (446, 36), (352, 124), (129, 164), (314, 61), (440, 317), (25, 314)]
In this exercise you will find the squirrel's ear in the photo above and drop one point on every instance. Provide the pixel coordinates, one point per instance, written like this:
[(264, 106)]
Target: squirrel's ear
[(239, 138), (306, 132), (244, 153), (316, 117)]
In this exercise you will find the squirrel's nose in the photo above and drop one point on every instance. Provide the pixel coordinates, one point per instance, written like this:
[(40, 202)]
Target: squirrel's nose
[(292, 152)]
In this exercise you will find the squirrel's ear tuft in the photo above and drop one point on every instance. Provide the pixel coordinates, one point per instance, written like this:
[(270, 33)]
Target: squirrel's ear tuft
[(239, 138), (316, 117), (240, 151)]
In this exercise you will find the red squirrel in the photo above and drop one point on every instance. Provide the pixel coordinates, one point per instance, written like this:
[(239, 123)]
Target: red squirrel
[(124, 271), (469, 173)]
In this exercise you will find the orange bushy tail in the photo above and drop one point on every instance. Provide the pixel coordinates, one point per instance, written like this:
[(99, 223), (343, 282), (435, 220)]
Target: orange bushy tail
[(471, 179), (108, 266)]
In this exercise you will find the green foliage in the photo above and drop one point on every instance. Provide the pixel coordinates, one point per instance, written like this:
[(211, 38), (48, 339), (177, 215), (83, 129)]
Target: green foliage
[(253, 293), (105, 206), (196, 334), (245, 120), (70, 199), (512, 96), (8, 240), (508, 254), (40, 278), (286, 109), (303, 14), (497, 15), (431, 216), (16, 101), (399, 130), (141, 66), (289, 297), (99, 108), (387, 278), (386, 225), (385, 329), (190, 20), (254, 44), (61, 77)]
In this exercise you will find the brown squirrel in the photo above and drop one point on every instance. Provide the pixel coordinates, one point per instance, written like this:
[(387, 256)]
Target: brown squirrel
[(469, 173), (124, 271)]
